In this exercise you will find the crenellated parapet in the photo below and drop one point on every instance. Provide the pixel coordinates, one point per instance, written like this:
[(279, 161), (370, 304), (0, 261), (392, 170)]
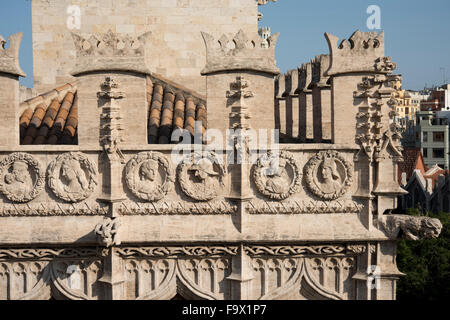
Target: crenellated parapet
[(320, 65), (305, 76), (110, 51), (9, 58), (242, 52), (362, 52)]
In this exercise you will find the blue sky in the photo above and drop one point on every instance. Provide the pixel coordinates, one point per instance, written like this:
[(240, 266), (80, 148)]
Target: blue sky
[(417, 32)]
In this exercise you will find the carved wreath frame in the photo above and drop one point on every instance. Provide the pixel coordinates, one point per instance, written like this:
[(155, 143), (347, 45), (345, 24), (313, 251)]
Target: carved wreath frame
[(31, 162), (184, 180), (53, 177), (134, 165), (310, 172), (259, 167)]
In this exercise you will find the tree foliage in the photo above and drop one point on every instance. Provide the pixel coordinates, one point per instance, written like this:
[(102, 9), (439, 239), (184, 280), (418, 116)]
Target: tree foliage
[(426, 264)]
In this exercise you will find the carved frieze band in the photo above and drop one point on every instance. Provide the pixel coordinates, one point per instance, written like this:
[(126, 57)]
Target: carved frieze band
[(48, 254), (46, 209), (197, 251), (304, 207), (297, 251), (177, 208)]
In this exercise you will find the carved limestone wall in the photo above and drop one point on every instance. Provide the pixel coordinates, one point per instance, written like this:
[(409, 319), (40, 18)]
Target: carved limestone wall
[(194, 272), (175, 51)]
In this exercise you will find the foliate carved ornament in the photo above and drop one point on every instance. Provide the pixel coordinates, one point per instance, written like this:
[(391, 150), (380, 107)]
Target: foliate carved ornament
[(195, 251), (46, 209), (276, 175), (177, 208), (22, 177), (303, 250), (201, 176), (72, 177), (328, 175), (304, 207), (149, 176), (47, 254)]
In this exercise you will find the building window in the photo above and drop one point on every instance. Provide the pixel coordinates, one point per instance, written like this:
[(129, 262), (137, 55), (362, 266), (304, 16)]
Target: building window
[(425, 153), (407, 110), (438, 136), (425, 137), (438, 153)]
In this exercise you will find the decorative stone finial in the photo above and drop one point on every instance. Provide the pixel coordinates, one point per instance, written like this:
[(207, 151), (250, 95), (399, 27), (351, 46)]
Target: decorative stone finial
[(110, 51), (9, 58), (362, 52), (263, 2), (240, 53)]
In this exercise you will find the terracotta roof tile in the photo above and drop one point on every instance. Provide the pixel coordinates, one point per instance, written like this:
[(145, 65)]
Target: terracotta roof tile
[(45, 123), (172, 107)]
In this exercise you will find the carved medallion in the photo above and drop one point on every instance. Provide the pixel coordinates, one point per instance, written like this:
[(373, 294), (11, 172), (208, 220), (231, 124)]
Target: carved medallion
[(276, 175), (201, 176), (328, 175), (72, 177), (22, 177), (149, 176)]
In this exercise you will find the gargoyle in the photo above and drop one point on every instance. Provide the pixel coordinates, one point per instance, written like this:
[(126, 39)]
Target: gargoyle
[(411, 227)]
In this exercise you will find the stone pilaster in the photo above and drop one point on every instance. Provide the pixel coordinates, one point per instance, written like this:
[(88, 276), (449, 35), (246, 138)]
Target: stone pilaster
[(122, 58), (10, 72), (246, 55), (321, 96), (306, 104)]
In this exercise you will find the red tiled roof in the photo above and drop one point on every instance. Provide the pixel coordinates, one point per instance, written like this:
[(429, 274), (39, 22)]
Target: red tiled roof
[(413, 160), (52, 118), (172, 107), (434, 176)]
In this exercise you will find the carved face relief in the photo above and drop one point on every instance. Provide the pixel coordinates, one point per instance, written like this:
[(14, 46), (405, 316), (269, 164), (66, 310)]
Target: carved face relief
[(72, 177), (21, 177), (277, 175), (328, 175), (201, 176), (149, 176)]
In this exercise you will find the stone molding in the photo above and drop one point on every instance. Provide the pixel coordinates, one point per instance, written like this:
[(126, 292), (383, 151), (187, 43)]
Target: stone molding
[(243, 52)]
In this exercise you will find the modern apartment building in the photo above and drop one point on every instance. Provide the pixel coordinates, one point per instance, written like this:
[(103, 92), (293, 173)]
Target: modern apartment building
[(432, 137)]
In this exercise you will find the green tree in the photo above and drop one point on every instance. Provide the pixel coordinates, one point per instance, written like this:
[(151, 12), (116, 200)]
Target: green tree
[(426, 264)]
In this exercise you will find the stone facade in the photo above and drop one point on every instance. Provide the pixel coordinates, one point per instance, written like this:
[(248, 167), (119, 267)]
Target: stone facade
[(175, 51), (114, 217)]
